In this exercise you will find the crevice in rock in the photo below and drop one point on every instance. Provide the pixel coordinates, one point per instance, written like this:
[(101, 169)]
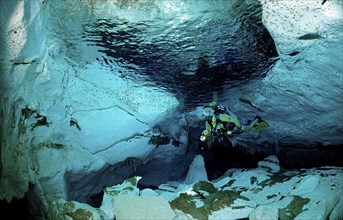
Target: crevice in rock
[(94, 182), (119, 141), (221, 157), (16, 209)]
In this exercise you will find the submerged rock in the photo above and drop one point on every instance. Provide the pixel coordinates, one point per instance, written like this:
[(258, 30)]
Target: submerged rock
[(196, 170), (264, 194), (142, 207), (264, 212)]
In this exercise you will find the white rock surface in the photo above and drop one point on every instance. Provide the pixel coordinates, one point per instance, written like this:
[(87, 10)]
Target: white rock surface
[(196, 170), (306, 185), (61, 209), (272, 189), (271, 163), (264, 212), (337, 211), (111, 193), (148, 192), (142, 207), (231, 213), (301, 96), (93, 118)]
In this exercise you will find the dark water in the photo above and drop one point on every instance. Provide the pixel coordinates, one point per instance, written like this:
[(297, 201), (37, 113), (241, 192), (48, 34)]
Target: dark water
[(220, 158), (16, 209), (190, 48)]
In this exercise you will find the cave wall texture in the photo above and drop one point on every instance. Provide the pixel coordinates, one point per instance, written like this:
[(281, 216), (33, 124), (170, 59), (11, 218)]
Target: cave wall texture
[(45, 133)]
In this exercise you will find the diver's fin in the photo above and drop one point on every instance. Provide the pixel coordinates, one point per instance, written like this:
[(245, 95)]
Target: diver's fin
[(261, 125), (215, 98)]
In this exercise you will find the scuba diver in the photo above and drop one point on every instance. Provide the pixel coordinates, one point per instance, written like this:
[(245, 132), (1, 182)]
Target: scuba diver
[(220, 123)]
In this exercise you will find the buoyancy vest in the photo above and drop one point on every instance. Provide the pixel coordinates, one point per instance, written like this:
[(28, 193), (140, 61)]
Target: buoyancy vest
[(230, 123)]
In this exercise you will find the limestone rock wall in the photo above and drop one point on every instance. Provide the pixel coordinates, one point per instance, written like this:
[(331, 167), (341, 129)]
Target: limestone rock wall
[(59, 117), (23, 56), (302, 94), (61, 121)]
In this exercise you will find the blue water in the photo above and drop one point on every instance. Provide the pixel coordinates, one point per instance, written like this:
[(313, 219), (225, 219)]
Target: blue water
[(189, 48)]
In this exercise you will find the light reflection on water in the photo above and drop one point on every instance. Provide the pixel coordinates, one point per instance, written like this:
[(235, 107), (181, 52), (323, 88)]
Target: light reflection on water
[(190, 48)]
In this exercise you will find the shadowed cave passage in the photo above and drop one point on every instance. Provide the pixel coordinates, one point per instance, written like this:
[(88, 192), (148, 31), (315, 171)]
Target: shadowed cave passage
[(221, 157), (16, 209)]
